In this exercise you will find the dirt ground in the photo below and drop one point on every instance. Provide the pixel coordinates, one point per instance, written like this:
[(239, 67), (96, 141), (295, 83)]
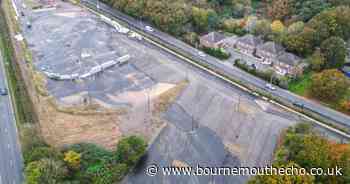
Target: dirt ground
[(62, 128), (94, 123)]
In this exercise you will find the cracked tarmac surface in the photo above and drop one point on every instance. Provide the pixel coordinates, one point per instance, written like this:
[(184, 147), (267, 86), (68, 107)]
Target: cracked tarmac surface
[(211, 123)]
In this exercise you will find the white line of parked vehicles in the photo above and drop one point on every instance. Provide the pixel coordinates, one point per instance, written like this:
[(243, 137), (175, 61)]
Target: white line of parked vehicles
[(94, 70), (119, 28)]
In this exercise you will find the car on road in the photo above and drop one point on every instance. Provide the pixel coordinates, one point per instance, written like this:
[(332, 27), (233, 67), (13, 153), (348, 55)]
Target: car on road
[(270, 86), (149, 28), (298, 104), (3, 92), (201, 54)]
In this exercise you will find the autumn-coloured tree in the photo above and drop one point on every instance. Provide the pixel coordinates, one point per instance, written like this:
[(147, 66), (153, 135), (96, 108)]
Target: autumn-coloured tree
[(280, 9), (303, 147), (277, 27), (283, 179), (72, 159), (345, 105), (329, 85)]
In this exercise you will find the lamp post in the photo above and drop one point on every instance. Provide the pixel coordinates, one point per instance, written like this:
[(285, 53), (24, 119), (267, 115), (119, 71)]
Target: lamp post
[(271, 79)]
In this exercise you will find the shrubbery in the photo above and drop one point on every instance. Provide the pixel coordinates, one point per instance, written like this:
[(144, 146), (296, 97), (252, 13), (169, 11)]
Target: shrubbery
[(217, 52), (302, 147), (83, 163), (282, 82)]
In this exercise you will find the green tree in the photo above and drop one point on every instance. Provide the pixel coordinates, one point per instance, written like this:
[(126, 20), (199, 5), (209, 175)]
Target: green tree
[(302, 43), (200, 18), (309, 8), (130, 150), (41, 152), (342, 16), (343, 162), (46, 171), (296, 28), (314, 152), (329, 85), (191, 38), (283, 179), (279, 31), (317, 61), (334, 50), (329, 23), (168, 16), (91, 154), (262, 28), (107, 173)]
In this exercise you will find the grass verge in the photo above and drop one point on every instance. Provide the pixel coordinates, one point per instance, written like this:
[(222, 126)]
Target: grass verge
[(301, 86), (20, 98)]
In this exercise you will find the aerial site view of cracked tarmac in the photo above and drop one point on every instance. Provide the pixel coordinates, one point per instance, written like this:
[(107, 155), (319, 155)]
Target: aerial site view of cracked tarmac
[(105, 92)]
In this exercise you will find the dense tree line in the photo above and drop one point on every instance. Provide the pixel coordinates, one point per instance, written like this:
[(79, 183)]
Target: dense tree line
[(180, 16)]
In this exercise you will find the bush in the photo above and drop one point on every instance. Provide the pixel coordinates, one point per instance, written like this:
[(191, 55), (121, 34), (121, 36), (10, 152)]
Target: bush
[(41, 152), (130, 150), (191, 38), (91, 154), (107, 174), (303, 147), (29, 138), (72, 159), (46, 171), (345, 105), (234, 26), (218, 53), (83, 163), (263, 75)]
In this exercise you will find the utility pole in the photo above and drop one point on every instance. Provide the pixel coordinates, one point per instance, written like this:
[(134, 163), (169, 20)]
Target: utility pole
[(98, 5), (271, 79)]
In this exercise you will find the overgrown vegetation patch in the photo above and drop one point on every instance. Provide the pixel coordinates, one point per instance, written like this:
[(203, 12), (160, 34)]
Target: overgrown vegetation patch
[(83, 163), (303, 147)]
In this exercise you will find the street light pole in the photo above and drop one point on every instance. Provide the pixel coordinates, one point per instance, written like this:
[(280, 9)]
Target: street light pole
[(271, 78)]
